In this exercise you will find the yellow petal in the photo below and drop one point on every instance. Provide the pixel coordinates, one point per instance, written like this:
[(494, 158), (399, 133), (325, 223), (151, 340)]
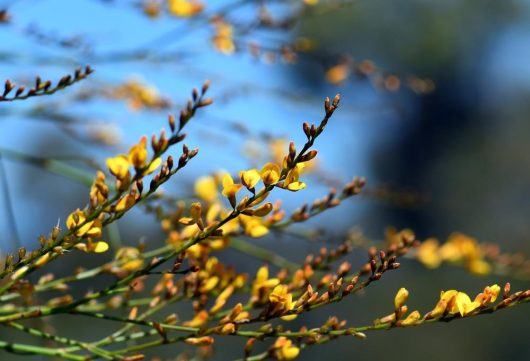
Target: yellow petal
[(296, 186), (101, 247), (428, 253), (153, 166), (84, 229), (138, 154), (250, 178), (119, 166), (289, 353), (289, 318), (401, 298), (125, 203), (184, 8), (411, 319), (94, 232), (338, 73), (470, 307), (206, 189), (270, 173), (263, 210), (461, 302)]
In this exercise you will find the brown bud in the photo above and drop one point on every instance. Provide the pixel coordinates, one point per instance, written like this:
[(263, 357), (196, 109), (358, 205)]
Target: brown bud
[(506, 291), (171, 121), (306, 129), (21, 253), (249, 346), (20, 90), (205, 102), (205, 86)]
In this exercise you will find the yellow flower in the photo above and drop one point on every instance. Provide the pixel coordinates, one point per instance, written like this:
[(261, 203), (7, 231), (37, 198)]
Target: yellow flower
[(250, 178), (230, 189), (282, 301), (199, 320), (291, 181), (209, 284), (138, 153), (285, 349), (460, 247), (200, 341), (439, 310), (428, 253), (206, 188), (411, 319), (100, 247), (129, 258), (89, 229), (489, 295), (262, 281), (184, 8), (99, 191), (401, 298), (253, 226), (310, 2), (119, 166), (338, 73), (153, 166), (97, 247), (262, 210), (458, 302), (125, 203), (270, 173), (479, 267), (223, 39)]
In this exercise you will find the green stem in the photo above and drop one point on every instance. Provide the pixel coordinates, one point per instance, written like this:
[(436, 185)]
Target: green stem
[(20, 348), (81, 345)]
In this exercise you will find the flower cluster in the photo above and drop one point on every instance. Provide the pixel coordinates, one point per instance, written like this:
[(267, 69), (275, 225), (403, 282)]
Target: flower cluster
[(458, 248), (226, 211)]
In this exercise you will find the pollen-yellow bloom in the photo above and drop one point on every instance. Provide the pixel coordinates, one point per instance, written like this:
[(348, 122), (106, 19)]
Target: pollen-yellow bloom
[(129, 258), (100, 247), (458, 302), (88, 229), (270, 173), (253, 226), (99, 189), (229, 187), (263, 281), (119, 166), (428, 253), (199, 320), (206, 189), (125, 203), (338, 73), (489, 295), (411, 319), (184, 8), (138, 153), (401, 297), (285, 349), (223, 40), (282, 300), (291, 181), (153, 166), (250, 178)]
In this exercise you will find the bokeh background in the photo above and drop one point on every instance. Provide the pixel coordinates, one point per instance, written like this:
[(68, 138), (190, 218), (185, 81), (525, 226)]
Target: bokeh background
[(462, 150)]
